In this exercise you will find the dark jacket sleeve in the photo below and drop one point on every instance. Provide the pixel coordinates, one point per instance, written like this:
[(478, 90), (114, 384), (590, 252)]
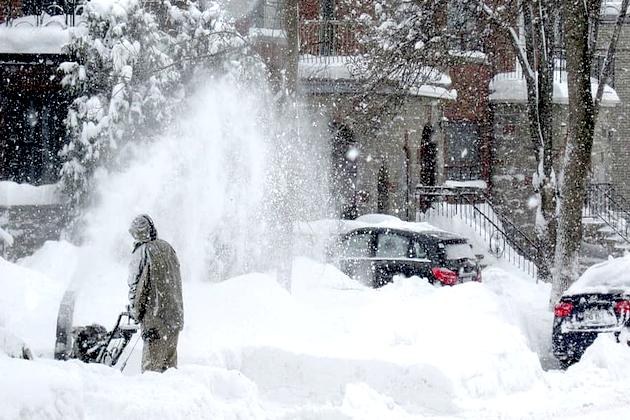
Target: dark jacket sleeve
[(139, 277)]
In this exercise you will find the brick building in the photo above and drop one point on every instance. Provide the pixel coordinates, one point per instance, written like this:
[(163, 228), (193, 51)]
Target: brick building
[(466, 123), (619, 139), (481, 132), (33, 104), (445, 119), (33, 107)]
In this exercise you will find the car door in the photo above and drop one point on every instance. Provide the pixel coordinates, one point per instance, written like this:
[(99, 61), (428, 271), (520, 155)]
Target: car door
[(355, 256), (420, 263), (392, 257)]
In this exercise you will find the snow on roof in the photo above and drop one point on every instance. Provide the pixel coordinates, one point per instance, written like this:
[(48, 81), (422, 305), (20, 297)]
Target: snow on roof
[(608, 276), (478, 183), (14, 194), (340, 68), (511, 87), (26, 38), (330, 227), (470, 55), (267, 33)]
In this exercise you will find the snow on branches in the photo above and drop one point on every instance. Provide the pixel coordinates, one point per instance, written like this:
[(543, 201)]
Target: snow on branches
[(129, 74), (403, 42)]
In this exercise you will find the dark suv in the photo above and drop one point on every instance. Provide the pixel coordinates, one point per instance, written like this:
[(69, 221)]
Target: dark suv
[(598, 302), (374, 255)]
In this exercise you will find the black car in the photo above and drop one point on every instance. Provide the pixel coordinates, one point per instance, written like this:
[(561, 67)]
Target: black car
[(374, 255), (598, 302)]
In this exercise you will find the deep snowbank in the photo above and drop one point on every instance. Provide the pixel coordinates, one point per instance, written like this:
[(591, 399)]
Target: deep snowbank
[(329, 349)]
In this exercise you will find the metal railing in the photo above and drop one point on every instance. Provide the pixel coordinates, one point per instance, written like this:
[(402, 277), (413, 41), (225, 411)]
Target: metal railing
[(329, 38), (560, 68), (605, 204), (505, 240), (463, 171), (38, 13)]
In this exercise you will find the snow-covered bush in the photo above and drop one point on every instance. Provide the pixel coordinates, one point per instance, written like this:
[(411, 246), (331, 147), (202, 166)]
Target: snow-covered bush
[(129, 76)]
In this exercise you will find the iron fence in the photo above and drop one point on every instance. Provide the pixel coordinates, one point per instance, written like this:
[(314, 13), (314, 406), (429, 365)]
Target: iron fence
[(560, 69), (605, 204), (36, 13), (329, 38), (505, 241)]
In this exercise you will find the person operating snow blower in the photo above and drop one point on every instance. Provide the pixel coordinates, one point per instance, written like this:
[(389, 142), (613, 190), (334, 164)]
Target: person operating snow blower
[(155, 295)]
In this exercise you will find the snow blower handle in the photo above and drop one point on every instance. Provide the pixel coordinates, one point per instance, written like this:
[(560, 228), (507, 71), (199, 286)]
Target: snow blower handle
[(117, 340)]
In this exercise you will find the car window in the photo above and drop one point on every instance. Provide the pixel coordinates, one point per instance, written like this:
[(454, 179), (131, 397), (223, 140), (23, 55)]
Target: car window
[(356, 246), (459, 251), (418, 250), (390, 245)]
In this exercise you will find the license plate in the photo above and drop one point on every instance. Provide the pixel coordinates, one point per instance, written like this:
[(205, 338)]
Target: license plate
[(596, 318)]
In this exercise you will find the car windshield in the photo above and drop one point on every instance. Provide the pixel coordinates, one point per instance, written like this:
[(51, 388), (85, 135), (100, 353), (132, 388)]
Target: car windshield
[(458, 251)]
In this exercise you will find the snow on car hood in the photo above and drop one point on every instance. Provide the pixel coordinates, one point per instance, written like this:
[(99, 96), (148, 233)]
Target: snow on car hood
[(609, 276)]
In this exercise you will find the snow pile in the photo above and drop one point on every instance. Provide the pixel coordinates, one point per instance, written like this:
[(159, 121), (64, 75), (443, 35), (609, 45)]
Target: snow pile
[(607, 276), (348, 68), (26, 38), (76, 391), (607, 355), (466, 184), (28, 306), (13, 346), (329, 339), (331, 348), (14, 194)]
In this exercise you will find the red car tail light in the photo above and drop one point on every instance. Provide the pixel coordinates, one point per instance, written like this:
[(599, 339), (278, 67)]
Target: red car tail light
[(563, 309), (444, 275), (622, 307)]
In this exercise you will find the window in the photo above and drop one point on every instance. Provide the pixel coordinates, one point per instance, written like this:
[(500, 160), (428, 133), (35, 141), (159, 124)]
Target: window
[(417, 250), (357, 246), (459, 251), (461, 22), (463, 160), (392, 246), (328, 9)]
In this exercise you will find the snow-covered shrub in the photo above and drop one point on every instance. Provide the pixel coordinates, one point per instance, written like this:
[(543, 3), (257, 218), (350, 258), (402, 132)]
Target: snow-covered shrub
[(129, 76)]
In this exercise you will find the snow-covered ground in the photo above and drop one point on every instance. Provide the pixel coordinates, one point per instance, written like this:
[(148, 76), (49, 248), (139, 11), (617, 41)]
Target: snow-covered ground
[(330, 349)]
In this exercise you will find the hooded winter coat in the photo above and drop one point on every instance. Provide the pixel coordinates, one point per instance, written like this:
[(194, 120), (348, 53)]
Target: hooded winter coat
[(155, 285)]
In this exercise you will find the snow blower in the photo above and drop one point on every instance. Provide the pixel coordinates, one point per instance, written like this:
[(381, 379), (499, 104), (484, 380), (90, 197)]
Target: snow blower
[(92, 343)]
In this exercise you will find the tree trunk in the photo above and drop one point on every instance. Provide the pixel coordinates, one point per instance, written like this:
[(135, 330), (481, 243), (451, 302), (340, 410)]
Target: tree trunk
[(539, 46), (286, 211), (577, 158)]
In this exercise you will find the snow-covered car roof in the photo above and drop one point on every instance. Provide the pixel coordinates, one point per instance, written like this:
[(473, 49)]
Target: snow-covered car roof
[(336, 226), (609, 276)]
